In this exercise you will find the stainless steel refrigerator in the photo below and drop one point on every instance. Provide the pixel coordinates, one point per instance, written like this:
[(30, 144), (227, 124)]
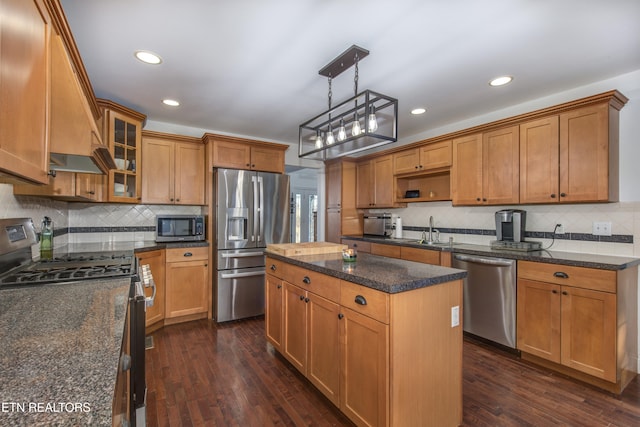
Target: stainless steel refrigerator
[(252, 210)]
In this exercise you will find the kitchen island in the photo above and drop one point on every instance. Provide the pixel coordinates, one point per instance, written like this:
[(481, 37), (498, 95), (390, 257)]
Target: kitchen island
[(381, 338), (59, 354)]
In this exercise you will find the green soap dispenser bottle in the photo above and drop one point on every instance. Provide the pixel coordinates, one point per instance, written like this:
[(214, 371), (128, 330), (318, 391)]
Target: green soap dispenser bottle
[(46, 238)]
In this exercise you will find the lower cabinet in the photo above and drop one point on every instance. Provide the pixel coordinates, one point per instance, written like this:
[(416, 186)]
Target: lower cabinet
[(156, 262), (187, 274), (579, 319), (383, 359)]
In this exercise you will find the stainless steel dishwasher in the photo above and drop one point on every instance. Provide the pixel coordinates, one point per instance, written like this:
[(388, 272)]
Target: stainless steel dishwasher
[(489, 297)]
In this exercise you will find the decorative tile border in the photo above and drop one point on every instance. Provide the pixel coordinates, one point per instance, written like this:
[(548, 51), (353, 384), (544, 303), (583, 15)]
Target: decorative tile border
[(616, 238)]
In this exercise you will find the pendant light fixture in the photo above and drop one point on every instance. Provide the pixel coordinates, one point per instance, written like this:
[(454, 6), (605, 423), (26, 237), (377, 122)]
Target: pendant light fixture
[(378, 113)]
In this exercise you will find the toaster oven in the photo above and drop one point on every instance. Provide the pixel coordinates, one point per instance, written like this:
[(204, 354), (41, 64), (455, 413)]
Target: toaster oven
[(378, 225)]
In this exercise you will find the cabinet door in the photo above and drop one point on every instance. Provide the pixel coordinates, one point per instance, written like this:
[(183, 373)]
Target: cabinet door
[(364, 391), (157, 171), (186, 288), (538, 319), (274, 314), (407, 161), (124, 139), (466, 173), (364, 185), (584, 155), (235, 155), (267, 159), (539, 169), (323, 363), (501, 166), (334, 184), (189, 174), (156, 262), (24, 92), (589, 332), (295, 326), (88, 186), (332, 232), (383, 182)]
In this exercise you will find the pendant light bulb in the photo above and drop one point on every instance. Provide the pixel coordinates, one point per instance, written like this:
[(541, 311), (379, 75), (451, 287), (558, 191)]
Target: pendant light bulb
[(330, 138), (342, 132), (356, 129), (318, 139), (373, 122)]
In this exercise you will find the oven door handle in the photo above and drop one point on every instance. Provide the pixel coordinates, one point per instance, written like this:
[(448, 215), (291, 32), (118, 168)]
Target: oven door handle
[(236, 275)]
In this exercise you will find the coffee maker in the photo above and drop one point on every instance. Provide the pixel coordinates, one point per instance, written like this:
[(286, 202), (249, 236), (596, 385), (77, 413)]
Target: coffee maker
[(510, 225)]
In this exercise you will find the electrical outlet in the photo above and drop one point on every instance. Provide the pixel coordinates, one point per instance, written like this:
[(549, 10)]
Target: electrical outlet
[(455, 316), (560, 229), (602, 228)]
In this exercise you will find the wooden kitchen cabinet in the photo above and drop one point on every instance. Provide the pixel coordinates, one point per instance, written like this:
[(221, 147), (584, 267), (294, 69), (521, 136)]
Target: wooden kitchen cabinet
[(375, 183), (156, 262), (122, 131), (238, 153), (342, 218), (173, 169), (424, 158), (578, 319), (486, 168), (274, 295), (358, 245), (421, 255), (187, 285), (358, 346), (391, 251), (571, 157), (67, 186), (24, 90)]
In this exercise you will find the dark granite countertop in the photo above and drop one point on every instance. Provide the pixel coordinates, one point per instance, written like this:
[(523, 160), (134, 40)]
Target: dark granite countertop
[(603, 262), (59, 352), (389, 275)]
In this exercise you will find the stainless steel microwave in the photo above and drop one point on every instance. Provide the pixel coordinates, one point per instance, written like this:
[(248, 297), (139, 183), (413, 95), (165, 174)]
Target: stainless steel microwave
[(179, 228)]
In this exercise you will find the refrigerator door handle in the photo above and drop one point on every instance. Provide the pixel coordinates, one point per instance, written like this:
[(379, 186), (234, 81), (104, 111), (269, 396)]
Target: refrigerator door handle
[(256, 231), (237, 275), (261, 209), (242, 254)]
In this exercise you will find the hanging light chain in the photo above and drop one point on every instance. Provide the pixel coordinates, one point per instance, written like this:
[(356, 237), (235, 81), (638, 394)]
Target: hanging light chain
[(355, 79), (330, 92)]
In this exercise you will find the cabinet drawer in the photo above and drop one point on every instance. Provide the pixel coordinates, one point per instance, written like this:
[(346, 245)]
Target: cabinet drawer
[(579, 277), (369, 302), (390, 251), (276, 268), (320, 284), (182, 254), (420, 255), (358, 245)]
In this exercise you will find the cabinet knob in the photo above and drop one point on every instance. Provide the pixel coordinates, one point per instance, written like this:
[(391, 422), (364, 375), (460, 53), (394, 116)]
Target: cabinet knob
[(563, 195), (306, 300), (553, 196), (360, 300), (187, 254), (279, 286), (417, 167), (340, 316), (253, 166), (273, 267), (477, 199), (247, 165), (484, 199), (301, 297), (306, 280), (565, 293), (171, 200), (91, 192), (554, 291), (561, 275), (177, 200)]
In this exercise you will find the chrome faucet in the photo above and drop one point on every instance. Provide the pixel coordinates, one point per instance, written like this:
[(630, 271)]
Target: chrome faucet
[(430, 241)]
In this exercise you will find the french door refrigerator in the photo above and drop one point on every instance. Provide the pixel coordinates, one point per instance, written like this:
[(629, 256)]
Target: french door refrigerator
[(252, 210)]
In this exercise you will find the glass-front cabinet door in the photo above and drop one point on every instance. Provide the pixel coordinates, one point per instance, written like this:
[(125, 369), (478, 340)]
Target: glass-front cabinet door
[(122, 129)]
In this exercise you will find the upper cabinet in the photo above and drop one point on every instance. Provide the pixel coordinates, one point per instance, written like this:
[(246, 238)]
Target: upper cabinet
[(571, 157), (121, 129), (237, 153), (425, 158), (173, 169), (342, 218), (24, 95), (485, 168), (375, 183), (68, 186)]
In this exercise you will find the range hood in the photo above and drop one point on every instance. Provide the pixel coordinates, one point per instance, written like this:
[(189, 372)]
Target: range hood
[(99, 163)]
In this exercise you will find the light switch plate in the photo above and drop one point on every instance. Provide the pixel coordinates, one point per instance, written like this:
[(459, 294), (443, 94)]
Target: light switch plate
[(455, 316)]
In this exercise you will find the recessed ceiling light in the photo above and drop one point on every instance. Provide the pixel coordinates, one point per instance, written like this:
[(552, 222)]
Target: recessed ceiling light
[(502, 80), (148, 57), (417, 111), (170, 102)]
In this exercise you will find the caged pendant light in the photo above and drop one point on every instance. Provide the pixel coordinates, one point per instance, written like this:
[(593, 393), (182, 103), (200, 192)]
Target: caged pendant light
[(365, 121)]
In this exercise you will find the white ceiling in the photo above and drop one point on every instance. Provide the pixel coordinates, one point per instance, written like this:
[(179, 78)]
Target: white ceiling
[(250, 67)]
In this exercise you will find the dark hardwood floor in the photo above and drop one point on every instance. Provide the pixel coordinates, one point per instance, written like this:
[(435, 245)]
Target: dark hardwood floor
[(203, 374)]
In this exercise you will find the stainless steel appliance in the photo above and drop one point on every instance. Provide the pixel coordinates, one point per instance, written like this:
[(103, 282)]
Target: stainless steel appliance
[(252, 210), (510, 231), (179, 228), (378, 225), (489, 297), (17, 269)]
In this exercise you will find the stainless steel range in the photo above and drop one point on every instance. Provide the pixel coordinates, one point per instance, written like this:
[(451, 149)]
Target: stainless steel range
[(17, 269)]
